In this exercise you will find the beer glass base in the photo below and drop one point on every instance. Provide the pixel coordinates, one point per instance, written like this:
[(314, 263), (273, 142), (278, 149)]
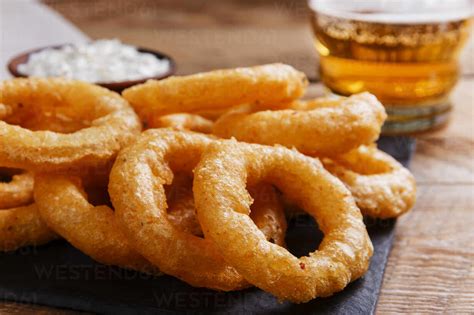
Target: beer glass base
[(405, 120)]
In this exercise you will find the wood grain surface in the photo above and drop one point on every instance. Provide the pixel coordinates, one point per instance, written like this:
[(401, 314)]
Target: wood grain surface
[(431, 267), (210, 34)]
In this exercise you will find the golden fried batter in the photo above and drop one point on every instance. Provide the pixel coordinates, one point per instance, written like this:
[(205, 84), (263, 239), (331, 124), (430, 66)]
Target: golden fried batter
[(327, 130), (222, 204), (267, 86)]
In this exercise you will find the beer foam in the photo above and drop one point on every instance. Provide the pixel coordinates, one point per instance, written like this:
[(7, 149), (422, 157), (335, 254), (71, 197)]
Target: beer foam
[(396, 11)]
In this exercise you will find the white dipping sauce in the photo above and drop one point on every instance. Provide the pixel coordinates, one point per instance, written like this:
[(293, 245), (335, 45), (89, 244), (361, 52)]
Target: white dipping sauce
[(101, 61)]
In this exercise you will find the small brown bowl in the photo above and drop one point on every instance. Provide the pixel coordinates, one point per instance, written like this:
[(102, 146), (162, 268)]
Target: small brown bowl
[(115, 86)]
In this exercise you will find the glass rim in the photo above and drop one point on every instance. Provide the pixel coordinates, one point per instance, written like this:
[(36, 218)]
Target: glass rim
[(342, 9)]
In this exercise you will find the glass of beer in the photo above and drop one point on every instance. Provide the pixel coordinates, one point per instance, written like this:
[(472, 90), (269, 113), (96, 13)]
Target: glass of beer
[(403, 51)]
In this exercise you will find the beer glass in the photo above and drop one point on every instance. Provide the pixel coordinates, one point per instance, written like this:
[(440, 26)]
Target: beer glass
[(403, 51)]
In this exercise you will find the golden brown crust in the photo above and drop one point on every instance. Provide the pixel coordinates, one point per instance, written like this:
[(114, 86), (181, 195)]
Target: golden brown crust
[(328, 130), (17, 192), (137, 190), (64, 207), (381, 186), (267, 86), (23, 226), (67, 124), (222, 204)]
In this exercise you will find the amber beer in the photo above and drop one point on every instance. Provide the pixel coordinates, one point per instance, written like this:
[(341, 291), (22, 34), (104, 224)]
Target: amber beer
[(404, 53)]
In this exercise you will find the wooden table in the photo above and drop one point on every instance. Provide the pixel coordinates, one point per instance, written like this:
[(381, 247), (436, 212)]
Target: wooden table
[(430, 269)]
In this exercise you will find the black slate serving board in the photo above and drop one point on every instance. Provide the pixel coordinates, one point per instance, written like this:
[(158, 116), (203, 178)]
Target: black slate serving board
[(58, 275)]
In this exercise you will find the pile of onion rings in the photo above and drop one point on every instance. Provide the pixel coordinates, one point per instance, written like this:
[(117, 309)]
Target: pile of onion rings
[(56, 126), (202, 194), (62, 125), (141, 207)]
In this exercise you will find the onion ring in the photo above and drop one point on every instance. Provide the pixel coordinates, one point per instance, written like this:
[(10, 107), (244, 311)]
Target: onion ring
[(64, 206), (54, 124), (222, 204), (267, 86), (183, 122), (23, 226), (381, 186), (17, 191), (137, 191), (319, 131)]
